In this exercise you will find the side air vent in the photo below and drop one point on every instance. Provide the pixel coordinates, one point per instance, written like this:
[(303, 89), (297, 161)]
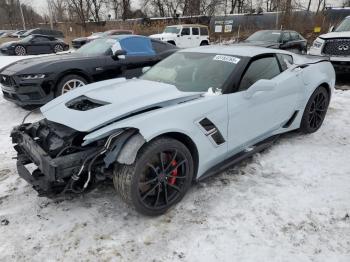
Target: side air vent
[(211, 131), (207, 124), (83, 103)]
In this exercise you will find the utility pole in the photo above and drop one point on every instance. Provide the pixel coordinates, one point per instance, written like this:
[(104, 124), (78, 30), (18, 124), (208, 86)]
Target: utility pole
[(21, 9), (49, 5)]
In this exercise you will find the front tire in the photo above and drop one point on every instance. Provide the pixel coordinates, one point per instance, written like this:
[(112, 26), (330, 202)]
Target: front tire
[(20, 50), (69, 83), (58, 48), (159, 178), (315, 111)]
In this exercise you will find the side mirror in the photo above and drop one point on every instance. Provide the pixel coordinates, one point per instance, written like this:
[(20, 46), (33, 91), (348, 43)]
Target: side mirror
[(331, 29), (119, 54), (145, 69), (261, 85)]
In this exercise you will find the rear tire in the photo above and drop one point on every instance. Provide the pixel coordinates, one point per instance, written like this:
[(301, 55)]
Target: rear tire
[(315, 111), (204, 43), (158, 179), (20, 50), (69, 83)]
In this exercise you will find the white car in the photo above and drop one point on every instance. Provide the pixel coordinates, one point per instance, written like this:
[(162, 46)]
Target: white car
[(188, 117), (185, 36), (336, 45)]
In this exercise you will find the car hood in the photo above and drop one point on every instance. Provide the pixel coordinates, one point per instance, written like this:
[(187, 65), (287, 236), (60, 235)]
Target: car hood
[(39, 64), (7, 44), (260, 43), (335, 35), (8, 60), (163, 35), (112, 100), (80, 39)]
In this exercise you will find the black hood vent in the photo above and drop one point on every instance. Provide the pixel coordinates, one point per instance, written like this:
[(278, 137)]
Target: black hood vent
[(83, 103)]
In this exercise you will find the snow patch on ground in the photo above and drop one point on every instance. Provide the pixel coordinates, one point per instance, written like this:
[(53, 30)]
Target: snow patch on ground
[(288, 203)]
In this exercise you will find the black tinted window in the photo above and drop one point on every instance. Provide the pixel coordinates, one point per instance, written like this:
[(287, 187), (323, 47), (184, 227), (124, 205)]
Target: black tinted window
[(40, 39), (294, 36), (286, 37), (284, 60), (262, 68), (204, 31), (159, 47), (185, 31), (195, 31)]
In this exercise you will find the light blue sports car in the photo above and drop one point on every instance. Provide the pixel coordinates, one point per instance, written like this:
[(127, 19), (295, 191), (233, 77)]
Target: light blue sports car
[(190, 116)]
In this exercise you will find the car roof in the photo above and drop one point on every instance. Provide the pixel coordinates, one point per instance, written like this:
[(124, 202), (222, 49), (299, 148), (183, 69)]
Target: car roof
[(236, 50), (120, 37), (188, 25), (48, 36)]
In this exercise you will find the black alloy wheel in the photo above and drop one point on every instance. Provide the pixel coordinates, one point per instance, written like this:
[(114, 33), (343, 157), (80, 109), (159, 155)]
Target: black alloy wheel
[(159, 177), (315, 111)]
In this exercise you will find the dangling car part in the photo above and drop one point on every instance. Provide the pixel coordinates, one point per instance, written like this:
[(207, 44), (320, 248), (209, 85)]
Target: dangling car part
[(190, 116)]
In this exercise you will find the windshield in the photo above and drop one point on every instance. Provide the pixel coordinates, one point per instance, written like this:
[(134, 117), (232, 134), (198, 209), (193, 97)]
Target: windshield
[(100, 46), (265, 36), (28, 32), (193, 72), (344, 26), (172, 29), (27, 39), (96, 34)]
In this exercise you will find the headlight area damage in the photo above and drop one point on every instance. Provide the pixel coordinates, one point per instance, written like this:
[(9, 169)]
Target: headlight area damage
[(62, 164)]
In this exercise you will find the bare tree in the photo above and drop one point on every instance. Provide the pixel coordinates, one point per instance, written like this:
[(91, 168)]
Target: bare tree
[(80, 9), (59, 9), (126, 9), (96, 6)]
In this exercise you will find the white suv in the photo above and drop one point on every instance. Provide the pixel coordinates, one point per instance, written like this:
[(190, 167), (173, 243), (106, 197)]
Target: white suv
[(184, 36), (336, 45)]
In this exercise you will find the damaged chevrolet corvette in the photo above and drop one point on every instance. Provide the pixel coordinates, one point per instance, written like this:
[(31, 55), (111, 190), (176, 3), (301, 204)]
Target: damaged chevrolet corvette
[(190, 116)]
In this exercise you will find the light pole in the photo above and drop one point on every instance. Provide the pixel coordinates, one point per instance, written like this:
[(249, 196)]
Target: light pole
[(21, 9)]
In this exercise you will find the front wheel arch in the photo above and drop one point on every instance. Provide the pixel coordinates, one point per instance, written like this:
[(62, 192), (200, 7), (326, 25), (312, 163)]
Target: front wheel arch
[(71, 72), (133, 146)]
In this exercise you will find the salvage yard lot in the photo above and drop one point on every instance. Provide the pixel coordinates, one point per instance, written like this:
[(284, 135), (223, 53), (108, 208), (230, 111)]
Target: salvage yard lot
[(289, 203)]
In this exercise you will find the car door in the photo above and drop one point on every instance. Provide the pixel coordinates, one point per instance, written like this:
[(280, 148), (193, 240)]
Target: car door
[(256, 115), (286, 41), (185, 38), (298, 42), (196, 41), (39, 45), (139, 54)]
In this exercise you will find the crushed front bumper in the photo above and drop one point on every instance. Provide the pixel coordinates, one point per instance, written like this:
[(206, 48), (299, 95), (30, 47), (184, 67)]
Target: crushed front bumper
[(52, 174)]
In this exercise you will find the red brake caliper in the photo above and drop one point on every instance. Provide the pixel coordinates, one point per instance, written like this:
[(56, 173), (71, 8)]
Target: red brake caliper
[(173, 174)]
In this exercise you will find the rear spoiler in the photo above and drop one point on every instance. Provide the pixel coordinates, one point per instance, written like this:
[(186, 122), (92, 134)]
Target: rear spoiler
[(307, 60)]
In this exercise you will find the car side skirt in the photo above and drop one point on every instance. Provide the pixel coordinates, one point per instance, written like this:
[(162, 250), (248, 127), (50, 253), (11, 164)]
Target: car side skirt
[(236, 158)]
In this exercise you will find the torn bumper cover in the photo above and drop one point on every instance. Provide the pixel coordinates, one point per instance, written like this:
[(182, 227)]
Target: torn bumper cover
[(52, 173), (60, 160)]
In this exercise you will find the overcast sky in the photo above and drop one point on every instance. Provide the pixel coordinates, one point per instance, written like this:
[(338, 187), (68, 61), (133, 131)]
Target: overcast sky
[(41, 5)]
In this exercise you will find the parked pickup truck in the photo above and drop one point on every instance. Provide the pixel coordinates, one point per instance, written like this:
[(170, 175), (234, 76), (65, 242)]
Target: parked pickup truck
[(336, 45), (184, 36)]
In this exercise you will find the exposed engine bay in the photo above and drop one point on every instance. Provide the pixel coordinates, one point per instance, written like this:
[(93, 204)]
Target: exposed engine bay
[(63, 165)]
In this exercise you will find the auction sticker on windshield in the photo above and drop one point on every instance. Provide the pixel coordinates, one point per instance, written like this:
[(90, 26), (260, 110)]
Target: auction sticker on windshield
[(226, 58)]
